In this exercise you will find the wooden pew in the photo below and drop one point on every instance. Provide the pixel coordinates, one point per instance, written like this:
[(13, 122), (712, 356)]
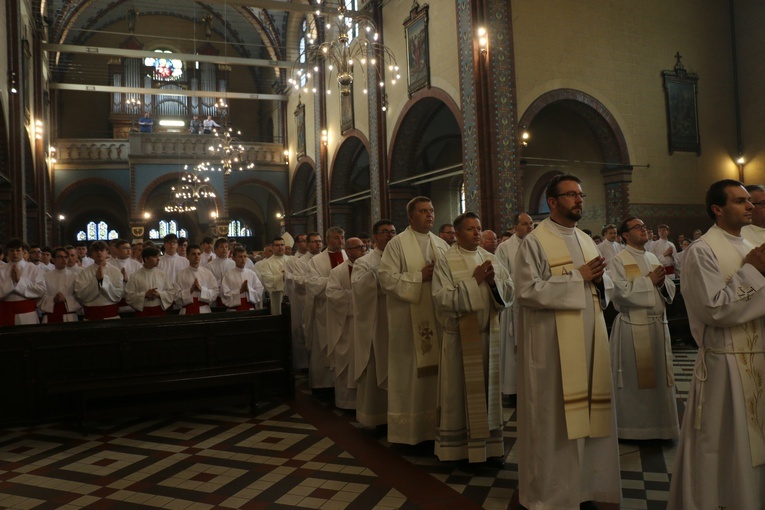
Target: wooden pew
[(142, 367)]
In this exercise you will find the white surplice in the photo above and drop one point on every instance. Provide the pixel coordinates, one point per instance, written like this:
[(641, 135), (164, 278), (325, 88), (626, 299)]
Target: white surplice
[(453, 300), (554, 471), (206, 258), (608, 249), (370, 335), (340, 343), (642, 413), (90, 292), (713, 464), (172, 264), (754, 234), (315, 321), (231, 285), (411, 399), (294, 287), (145, 279), (60, 281), (31, 285), (660, 246), (182, 288), (272, 276), (130, 266), (508, 375)]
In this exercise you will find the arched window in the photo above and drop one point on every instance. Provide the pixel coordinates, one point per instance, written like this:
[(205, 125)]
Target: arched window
[(167, 227), (238, 229), (97, 232), (462, 197), (353, 28)]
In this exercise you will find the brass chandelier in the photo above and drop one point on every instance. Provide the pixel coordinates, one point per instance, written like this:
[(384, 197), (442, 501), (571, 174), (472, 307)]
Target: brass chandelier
[(341, 53)]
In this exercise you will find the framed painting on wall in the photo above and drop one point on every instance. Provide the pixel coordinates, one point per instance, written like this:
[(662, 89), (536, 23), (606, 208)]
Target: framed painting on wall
[(300, 125), (417, 48), (681, 92)]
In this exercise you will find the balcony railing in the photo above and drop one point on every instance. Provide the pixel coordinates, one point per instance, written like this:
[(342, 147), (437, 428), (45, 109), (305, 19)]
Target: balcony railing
[(158, 147)]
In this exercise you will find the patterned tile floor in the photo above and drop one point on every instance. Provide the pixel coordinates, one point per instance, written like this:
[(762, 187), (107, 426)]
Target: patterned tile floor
[(298, 453)]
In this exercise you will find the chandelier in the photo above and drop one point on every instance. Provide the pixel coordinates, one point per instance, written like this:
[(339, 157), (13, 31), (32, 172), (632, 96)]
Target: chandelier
[(190, 190), (340, 54), (229, 152)]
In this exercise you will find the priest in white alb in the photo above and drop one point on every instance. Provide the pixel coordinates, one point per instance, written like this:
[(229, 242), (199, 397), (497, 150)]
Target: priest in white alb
[(755, 231), (414, 347), (340, 312), (506, 252), (641, 348), (370, 331), (720, 461), (568, 452), (294, 288), (272, 275), (470, 288)]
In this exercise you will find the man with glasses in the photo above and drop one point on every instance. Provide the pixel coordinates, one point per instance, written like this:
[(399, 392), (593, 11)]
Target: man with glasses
[(755, 233), (35, 257), (340, 312), (568, 448), (406, 273), (59, 304), (370, 330), (641, 349), (446, 232)]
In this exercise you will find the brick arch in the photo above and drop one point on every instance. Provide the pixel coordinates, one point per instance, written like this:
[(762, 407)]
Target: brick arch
[(299, 188), (346, 154), (602, 122), (92, 181), (263, 184), (162, 179), (407, 134)]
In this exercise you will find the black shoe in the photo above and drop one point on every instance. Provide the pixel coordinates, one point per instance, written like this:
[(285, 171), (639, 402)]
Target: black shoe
[(588, 505)]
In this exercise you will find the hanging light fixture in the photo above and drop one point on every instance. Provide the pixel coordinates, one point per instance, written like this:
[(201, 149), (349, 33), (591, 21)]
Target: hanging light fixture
[(229, 152), (340, 52), (191, 188)]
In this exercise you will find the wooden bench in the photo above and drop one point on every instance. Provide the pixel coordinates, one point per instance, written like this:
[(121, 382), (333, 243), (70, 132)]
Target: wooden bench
[(143, 366)]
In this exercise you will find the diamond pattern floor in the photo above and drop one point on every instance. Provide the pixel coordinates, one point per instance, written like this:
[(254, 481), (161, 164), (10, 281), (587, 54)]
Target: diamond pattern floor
[(299, 453)]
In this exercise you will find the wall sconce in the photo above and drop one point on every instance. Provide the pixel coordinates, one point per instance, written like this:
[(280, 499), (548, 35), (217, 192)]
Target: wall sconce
[(286, 156), (213, 214), (385, 103), (741, 162), (525, 136), (61, 217), (39, 130), (483, 41), (146, 215), (12, 83), (324, 137), (279, 216)]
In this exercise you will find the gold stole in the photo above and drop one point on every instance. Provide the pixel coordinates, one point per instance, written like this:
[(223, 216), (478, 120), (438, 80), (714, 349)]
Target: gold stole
[(472, 356), (747, 349), (641, 334), (588, 410), (426, 341)]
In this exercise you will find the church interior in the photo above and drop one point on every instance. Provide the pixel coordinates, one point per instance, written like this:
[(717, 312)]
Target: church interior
[(327, 113)]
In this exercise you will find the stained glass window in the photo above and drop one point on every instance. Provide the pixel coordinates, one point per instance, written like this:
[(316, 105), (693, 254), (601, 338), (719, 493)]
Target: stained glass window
[(353, 28), (154, 234), (97, 232), (182, 233), (164, 67), (168, 227), (237, 229)]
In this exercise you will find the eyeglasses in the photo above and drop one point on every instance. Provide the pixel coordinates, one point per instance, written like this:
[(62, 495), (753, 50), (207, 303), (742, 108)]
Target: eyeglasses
[(387, 232), (639, 226), (571, 194), (759, 204)]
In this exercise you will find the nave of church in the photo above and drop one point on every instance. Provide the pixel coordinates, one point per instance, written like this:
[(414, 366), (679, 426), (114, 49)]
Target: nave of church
[(295, 453)]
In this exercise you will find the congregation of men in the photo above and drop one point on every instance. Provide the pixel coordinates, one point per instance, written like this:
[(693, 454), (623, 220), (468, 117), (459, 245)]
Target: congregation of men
[(424, 333)]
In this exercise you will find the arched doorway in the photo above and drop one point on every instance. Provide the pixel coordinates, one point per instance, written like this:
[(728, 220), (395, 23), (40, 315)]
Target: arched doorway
[(425, 156), (572, 132), (349, 192), (303, 213)]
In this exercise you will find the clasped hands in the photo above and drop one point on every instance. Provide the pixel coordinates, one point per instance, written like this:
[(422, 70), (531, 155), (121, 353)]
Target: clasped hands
[(593, 270)]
